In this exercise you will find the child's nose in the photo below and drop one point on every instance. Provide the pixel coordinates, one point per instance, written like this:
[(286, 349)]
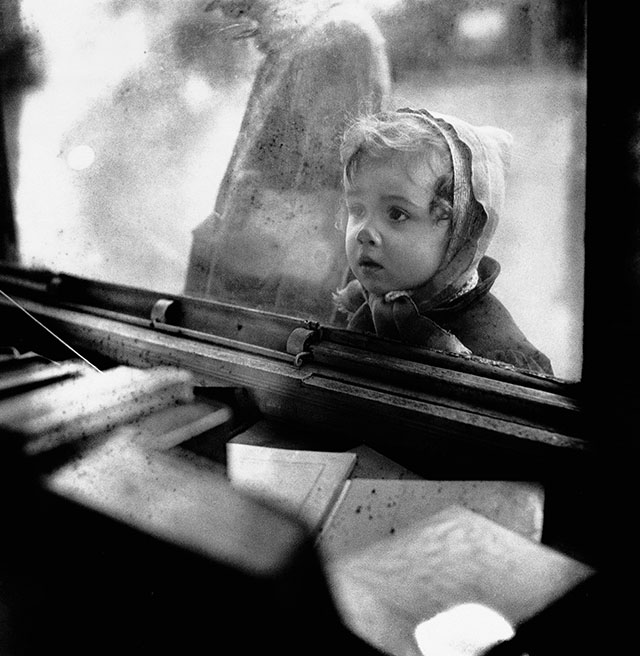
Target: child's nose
[(368, 234)]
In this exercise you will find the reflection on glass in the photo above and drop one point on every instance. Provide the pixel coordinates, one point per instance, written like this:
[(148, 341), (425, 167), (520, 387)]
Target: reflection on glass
[(80, 157), (270, 241), (150, 153), (464, 630)]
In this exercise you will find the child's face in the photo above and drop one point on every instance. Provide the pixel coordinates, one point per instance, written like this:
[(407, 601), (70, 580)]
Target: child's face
[(393, 239)]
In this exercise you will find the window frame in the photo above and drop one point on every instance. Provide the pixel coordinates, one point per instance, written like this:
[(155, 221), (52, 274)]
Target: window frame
[(317, 377), (447, 393)]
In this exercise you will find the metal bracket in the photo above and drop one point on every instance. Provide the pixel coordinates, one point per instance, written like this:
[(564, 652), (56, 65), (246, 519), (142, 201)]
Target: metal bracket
[(54, 287), (159, 311), (300, 341)]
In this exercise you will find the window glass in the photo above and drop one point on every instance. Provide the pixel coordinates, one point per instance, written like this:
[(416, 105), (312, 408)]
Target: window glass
[(193, 147)]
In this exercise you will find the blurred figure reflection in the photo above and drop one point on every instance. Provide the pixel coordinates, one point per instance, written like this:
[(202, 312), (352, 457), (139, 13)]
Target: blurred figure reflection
[(19, 70), (271, 241)]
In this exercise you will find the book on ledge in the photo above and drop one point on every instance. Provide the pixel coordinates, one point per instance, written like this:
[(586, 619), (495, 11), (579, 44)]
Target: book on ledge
[(396, 593), (130, 547), (351, 499), (306, 483), (94, 402), (370, 509)]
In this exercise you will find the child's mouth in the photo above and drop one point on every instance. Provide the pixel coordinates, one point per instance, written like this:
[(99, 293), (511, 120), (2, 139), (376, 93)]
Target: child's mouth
[(368, 264)]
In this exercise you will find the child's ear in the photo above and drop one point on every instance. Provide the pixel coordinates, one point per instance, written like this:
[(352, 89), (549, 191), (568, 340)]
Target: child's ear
[(442, 212)]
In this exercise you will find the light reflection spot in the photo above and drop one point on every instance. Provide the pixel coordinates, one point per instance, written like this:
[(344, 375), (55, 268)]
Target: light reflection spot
[(463, 630), (197, 92), (481, 24), (81, 157)]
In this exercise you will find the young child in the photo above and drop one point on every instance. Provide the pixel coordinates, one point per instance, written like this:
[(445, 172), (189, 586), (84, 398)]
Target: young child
[(423, 193)]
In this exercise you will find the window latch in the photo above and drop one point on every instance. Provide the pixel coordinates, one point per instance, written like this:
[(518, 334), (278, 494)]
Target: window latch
[(300, 341), (161, 310)]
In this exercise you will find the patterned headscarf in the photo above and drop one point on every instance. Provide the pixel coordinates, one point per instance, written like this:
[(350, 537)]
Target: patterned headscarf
[(481, 157)]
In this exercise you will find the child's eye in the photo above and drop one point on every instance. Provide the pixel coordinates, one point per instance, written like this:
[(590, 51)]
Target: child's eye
[(396, 214)]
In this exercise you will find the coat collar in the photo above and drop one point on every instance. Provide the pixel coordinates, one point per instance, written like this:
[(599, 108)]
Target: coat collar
[(488, 271)]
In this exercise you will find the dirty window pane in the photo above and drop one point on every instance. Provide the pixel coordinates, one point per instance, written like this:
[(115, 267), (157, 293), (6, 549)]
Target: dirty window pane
[(193, 146)]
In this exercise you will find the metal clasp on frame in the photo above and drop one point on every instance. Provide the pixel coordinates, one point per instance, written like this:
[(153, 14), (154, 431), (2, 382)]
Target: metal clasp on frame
[(300, 341)]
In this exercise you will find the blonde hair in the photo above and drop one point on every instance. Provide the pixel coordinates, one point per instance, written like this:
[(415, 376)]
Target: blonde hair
[(386, 133)]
